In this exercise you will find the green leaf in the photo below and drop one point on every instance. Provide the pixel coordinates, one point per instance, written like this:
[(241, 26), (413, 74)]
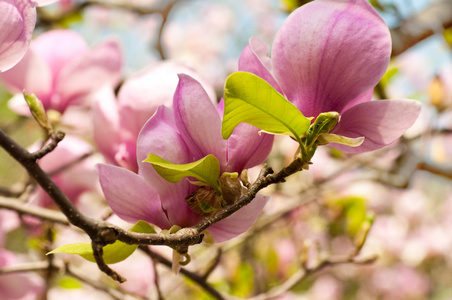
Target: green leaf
[(113, 253), (250, 99), (339, 139), (206, 170)]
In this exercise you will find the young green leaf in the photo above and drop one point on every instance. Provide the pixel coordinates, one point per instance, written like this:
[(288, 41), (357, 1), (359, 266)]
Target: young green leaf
[(206, 170), (250, 99), (113, 253)]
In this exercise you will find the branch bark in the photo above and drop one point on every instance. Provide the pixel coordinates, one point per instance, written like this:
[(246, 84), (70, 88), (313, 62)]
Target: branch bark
[(433, 19)]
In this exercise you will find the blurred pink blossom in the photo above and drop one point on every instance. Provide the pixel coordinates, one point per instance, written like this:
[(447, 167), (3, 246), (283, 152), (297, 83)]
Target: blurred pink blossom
[(76, 179), (15, 286), (62, 71)]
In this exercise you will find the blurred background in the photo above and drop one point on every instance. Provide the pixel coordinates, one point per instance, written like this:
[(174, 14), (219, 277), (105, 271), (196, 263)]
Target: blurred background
[(316, 215)]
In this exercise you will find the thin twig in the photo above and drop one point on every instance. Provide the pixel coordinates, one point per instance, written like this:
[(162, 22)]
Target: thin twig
[(193, 276), (55, 139), (303, 273), (35, 211)]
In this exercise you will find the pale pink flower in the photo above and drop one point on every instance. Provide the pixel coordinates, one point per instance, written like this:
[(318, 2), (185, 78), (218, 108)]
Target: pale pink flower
[(62, 71)]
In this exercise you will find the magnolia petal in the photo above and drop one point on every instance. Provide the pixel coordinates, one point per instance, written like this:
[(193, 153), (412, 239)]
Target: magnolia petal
[(247, 147), (31, 74), (130, 197), (17, 24), (140, 95), (379, 122), (329, 52), (44, 2), (86, 74), (160, 137), (198, 120), (106, 124), (240, 221), (254, 59), (58, 48), (364, 97)]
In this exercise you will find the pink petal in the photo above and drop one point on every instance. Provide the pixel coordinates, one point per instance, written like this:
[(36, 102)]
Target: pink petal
[(130, 197), (86, 74), (106, 123), (380, 122), (240, 221), (328, 52), (17, 24), (254, 59), (198, 120), (247, 147), (58, 48), (44, 2), (140, 95), (159, 136), (364, 97), (31, 74)]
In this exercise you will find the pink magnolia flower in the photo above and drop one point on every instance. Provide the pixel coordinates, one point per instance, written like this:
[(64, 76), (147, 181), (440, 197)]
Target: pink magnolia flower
[(190, 132), (77, 178), (15, 286), (328, 56), (18, 286), (17, 24), (62, 71), (118, 123)]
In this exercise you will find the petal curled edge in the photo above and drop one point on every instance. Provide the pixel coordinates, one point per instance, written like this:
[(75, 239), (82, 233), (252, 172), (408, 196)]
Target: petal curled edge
[(198, 120), (379, 122), (254, 59), (328, 52), (130, 197), (159, 136), (240, 221), (17, 24)]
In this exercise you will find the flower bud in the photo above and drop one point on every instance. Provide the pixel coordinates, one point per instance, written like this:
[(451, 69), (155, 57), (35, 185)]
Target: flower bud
[(204, 201), (231, 188)]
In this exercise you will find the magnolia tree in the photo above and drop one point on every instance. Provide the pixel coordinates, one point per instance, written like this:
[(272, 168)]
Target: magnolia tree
[(135, 182)]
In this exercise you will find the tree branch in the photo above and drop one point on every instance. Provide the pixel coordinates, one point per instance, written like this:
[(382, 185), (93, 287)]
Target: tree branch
[(433, 19), (200, 280), (103, 233), (35, 211)]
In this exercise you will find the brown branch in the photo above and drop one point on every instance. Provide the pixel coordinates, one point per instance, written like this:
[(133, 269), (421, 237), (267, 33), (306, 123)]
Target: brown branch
[(165, 12), (435, 170), (70, 164), (303, 273), (55, 139), (35, 211), (200, 280), (433, 19), (103, 233)]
